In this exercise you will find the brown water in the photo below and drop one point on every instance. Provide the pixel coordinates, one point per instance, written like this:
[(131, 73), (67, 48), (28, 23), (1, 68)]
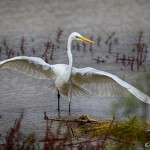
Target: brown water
[(38, 22)]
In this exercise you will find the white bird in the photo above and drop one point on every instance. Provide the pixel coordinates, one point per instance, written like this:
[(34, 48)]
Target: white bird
[(70, 80)]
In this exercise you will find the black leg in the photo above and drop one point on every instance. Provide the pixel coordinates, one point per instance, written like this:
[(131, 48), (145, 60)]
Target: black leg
[(69, 97), (69, 106), (58, 95)]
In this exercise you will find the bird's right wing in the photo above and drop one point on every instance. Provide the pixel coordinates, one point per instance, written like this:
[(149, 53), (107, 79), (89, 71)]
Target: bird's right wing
[(31, 66), (103, 83)]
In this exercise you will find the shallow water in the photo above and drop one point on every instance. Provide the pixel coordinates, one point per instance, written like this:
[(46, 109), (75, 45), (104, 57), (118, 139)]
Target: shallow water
[(38, 22)]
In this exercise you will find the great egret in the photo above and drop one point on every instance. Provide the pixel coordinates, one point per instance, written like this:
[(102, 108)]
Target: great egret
[(70, 80)]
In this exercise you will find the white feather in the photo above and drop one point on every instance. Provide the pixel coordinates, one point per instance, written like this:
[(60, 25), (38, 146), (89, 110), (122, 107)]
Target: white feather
[(32, 66), (104, 83)]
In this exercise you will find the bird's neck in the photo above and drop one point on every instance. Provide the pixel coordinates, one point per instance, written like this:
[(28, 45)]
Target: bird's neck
[(70, 53), (69, 71)]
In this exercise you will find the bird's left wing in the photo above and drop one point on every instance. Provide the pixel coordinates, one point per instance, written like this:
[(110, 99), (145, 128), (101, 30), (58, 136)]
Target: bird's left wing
[(31, 66), (104, 84)]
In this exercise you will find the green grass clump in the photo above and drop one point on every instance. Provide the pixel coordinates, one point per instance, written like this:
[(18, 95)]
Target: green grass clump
[(127, 133)]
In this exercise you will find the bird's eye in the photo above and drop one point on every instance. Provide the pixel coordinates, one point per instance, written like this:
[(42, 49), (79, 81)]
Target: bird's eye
[(77, 37)]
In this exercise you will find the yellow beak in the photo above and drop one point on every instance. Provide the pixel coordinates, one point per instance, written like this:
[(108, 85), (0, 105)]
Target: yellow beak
[(85, 39)]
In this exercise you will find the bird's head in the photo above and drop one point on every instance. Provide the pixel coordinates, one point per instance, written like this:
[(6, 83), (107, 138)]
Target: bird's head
[(77, 36)]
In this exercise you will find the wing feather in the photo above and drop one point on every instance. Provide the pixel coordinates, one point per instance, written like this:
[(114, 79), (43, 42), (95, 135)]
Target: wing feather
[(104, 84), (96, 83), (31, 66), (77, 90)]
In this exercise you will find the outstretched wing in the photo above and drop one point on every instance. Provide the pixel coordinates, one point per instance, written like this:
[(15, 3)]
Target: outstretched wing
[(103, 83), (31, 66)]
